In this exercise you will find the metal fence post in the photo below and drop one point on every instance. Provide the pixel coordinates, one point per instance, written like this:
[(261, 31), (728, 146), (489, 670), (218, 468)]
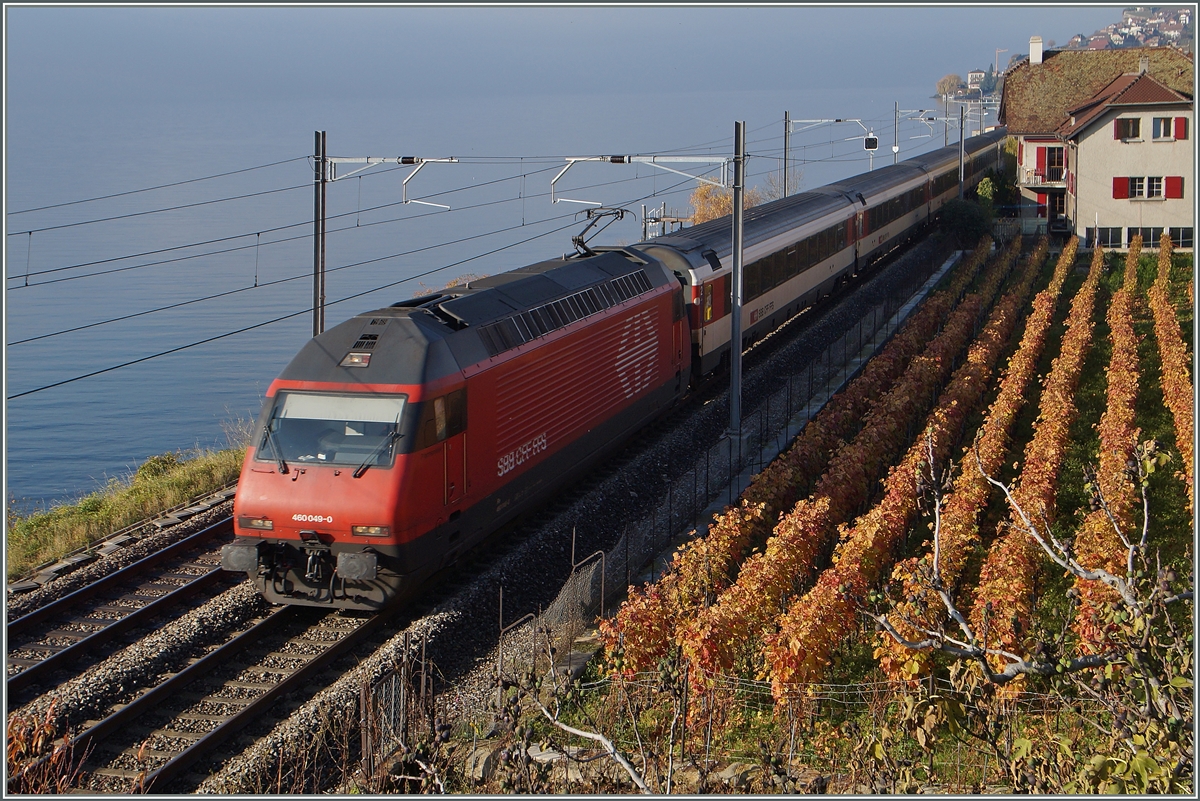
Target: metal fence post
[(364, 725)]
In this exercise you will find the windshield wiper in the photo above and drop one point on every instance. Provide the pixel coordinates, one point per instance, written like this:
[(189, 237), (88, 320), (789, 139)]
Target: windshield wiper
[(388, 440), (283, 468)]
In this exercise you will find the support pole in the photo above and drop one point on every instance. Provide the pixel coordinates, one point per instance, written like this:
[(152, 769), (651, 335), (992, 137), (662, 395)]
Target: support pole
[(735, 334), (787, 149), (896, 136), (319, 178), (962, 132)]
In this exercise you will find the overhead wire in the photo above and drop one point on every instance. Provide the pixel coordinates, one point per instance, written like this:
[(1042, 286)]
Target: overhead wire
[(160, 186), (292, 238), (275, 320), (302, 311), (259, 233)]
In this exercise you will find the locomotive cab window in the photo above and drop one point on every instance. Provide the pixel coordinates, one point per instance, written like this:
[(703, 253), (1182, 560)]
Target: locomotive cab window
[(441, 418), (332, 429)]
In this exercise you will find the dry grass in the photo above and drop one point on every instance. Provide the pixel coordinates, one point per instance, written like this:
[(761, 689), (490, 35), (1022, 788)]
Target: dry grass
[(162, 482)]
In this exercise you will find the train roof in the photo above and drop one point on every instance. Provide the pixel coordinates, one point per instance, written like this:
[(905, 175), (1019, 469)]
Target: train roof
[(759, 223), (430, 338), (497, 296), (769, 220)]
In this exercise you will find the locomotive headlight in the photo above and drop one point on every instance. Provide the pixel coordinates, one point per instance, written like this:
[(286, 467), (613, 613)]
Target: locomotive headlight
[(260, 523), (369, 531)]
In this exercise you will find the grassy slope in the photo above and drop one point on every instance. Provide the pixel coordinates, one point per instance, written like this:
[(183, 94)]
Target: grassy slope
[(162, 482)]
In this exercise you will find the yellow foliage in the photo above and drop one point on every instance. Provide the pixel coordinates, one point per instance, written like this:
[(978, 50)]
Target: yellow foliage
[(711, 202)]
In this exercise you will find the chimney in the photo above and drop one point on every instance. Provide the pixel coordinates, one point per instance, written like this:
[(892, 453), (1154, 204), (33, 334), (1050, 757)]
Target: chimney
[(1143, 65), (1035, 50)]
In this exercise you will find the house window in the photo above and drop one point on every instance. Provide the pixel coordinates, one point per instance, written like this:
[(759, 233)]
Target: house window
[(1181, 237), (1162, 128), (1137, 187), (1150, 236), (1127, 128), (1104, 237), (1154, 187)]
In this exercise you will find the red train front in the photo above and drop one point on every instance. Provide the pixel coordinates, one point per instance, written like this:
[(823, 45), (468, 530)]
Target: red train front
[(400, 438)]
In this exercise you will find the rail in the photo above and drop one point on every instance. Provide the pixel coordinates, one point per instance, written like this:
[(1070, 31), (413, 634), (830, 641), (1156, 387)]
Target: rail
[(175, 746), (119, 617)]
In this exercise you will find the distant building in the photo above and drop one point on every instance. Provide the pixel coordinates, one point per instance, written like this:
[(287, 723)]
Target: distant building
[(1099, 42), (975, 78), (1105, 141)]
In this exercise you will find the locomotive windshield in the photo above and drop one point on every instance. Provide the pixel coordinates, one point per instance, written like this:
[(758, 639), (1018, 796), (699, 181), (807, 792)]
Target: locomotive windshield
[(308, 428)]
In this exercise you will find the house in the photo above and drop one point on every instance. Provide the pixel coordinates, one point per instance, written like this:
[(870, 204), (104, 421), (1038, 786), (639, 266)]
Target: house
[(975, 78), (1105, 141)]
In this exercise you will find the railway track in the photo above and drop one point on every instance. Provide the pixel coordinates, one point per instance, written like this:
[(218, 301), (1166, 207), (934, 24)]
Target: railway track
[(85, 622), (149, 743)]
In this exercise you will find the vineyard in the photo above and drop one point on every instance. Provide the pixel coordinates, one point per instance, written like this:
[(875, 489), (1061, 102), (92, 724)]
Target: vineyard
[(978, 506)]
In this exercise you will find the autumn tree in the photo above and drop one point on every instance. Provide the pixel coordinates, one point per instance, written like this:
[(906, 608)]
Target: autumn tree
[(710, 202), (948, 85)]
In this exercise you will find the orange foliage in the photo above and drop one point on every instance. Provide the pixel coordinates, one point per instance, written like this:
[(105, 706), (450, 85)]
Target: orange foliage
[(705, 566), (1005, 590), (816, 623), (1176, 363)]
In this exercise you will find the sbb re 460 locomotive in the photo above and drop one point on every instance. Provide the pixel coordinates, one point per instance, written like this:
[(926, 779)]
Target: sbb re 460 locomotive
[(397, 440)]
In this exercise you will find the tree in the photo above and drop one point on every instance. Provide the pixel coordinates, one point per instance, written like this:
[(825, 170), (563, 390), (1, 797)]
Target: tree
[(1140, 681), (774, 190), (988, 85), (966, 221), (948, 85), (711, 202)]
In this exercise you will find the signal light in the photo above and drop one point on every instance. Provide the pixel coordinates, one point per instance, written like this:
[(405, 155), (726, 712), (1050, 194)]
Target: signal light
[(356, 360), (259, 523), (871, 143), (369, 531)]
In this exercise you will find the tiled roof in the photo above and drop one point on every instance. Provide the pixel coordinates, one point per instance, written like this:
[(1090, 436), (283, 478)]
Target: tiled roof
[(1126, 90), (1037, 97)]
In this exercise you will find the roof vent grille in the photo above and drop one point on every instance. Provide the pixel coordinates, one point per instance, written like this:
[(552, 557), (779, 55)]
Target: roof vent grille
[(366, 342), (520, 328)]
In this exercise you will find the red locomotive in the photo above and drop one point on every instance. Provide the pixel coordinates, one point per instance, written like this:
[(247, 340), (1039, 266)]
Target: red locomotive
[(399, 439)]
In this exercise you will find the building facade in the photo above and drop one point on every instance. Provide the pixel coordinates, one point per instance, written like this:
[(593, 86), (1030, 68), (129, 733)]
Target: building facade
[(1131, 155), (1105, 142)]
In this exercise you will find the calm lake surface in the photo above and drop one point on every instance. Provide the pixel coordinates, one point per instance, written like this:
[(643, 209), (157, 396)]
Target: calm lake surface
[(67, 440)]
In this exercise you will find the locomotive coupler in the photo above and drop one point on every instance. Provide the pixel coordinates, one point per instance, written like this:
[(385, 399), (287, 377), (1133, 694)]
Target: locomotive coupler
[(313, 573)]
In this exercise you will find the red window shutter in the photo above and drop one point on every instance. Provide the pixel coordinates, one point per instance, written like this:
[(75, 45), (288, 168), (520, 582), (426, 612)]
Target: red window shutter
[(1120, 188), (1181, 131), (1116, 129), (1174, 186), (1041, 161), (1041, 202)]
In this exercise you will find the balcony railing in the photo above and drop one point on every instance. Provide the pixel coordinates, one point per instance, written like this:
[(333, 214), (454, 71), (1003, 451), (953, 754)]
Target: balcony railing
[(1049, 176)]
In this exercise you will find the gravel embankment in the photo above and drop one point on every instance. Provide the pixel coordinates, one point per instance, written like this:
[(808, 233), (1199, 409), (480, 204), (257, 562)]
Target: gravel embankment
[(127, 673)]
